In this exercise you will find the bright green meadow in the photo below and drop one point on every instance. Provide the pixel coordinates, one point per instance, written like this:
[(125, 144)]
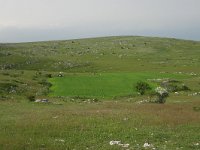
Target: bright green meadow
[(103, 85)]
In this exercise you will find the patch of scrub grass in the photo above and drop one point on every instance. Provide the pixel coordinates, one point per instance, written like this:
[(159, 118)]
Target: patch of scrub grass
[(93, 126), (103, 85)]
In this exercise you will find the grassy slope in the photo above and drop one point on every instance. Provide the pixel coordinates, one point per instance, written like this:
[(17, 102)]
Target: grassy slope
[(127, 54), (24, 70)]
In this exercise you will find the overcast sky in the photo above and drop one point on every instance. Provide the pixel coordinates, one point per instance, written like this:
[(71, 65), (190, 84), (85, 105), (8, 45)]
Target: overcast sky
[(36, 20)]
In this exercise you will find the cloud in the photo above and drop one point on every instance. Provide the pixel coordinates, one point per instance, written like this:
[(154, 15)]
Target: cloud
[(34, 20)]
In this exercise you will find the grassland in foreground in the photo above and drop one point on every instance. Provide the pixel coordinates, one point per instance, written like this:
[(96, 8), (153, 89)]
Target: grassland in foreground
[(94, 125)]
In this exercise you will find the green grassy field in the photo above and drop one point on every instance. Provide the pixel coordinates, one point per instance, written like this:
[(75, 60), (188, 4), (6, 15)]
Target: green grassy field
[(108, 69), (104, 85)]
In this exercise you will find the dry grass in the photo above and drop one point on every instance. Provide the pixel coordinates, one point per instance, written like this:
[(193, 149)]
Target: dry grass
[(93, 125)]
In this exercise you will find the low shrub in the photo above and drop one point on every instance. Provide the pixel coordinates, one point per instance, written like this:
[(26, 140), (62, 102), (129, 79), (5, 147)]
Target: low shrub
[(174, 86), (48, 75), (8, 87), (45, 83), (142, 87), (31, 98), (185, 88)]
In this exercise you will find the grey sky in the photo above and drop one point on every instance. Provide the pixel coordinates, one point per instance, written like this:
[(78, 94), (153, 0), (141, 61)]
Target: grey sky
[(35, 20)]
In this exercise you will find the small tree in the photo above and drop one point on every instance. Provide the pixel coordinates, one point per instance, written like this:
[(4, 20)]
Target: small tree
[(142, 87), (162, 94)]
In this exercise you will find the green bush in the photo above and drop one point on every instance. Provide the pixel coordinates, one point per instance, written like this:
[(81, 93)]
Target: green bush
[(142, 87)]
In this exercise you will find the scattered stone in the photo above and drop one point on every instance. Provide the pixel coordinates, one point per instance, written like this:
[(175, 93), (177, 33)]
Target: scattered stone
[(55, 117), (124, 145), (115, 142), (193, 74), (119, 144), (142, 101), (93, 100), (125, 119), (147, 145), (60, 74), (41, 100), (159, 80), (194, 94), (60, 140), (176, 93)]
